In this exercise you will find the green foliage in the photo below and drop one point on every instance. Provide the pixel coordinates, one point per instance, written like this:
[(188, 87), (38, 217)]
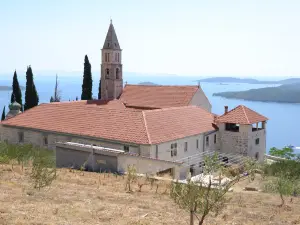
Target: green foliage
[(16, 94), (131, 176), (203, 197), (56, 97), (3, 114), (87, 84), (286, 152), (251, 166), (284, 178), (31, 95), (43, 168), (99, 91)]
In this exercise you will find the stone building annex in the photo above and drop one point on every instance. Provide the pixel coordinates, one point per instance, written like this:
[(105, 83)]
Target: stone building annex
[(154, 127)]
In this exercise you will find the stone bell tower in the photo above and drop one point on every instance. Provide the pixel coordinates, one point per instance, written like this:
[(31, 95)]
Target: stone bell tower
[(111, 66)]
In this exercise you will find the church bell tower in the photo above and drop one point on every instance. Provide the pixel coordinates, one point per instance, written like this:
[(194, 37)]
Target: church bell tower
[(111, 66)]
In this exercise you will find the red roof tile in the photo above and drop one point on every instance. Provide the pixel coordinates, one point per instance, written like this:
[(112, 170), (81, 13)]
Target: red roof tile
[(241, 115), (174, 123), (157, 96), (114, 104), (124, 125)]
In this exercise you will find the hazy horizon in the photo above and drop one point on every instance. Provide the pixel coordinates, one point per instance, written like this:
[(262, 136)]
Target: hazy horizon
[(190, 38)]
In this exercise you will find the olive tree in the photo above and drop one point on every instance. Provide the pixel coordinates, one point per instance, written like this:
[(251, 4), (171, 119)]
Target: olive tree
[(203, 196)]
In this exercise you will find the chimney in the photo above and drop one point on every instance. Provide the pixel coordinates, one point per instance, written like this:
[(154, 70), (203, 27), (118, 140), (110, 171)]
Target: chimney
[(226, 109)]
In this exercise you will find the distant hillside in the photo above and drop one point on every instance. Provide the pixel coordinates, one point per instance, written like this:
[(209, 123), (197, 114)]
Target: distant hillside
[(287, 93), (147, 83), (248, 81), (8, 88)]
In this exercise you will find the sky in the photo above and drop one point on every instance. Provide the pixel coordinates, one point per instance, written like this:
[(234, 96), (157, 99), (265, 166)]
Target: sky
[(189, 38)]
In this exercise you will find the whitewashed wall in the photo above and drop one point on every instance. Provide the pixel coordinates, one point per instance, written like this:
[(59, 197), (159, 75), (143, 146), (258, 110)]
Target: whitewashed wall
[(200, 99)]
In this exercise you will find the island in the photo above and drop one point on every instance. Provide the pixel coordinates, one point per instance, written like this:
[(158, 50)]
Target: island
[(222, 80), (9, 88), (287, 93), (147, 83)]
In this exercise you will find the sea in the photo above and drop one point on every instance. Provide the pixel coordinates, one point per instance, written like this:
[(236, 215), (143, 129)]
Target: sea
[(282, 127)]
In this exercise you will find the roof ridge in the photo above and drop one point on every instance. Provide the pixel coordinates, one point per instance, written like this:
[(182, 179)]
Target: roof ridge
[(243, 107), (171, 108), (162, 85), (146, 127)]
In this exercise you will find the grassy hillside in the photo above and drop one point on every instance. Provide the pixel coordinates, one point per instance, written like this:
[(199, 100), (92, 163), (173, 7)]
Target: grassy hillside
[(77, 197), (288, 93)]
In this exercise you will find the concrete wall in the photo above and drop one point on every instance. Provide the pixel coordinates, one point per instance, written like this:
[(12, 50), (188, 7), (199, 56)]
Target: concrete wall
[(164, 149), (212, 145), (68, 157), (146, 165), (201, 100), (76, 156)]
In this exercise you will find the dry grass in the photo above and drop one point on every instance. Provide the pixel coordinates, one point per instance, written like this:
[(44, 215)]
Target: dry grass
[(91, 198)]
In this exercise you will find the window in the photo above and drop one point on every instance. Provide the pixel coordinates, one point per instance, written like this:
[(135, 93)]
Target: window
[(116, 57), (207, 141), (173, 149), (257, 141), (117, 73), (185, 146), (115, 44), (197, 143), (107, 74), (126, 148), (45, 140), (256, 155), (21, 137), (156, 152), (215, 138), (108, 44), (107, 57)]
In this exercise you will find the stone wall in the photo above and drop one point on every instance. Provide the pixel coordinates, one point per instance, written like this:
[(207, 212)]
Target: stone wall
[(37, 138)]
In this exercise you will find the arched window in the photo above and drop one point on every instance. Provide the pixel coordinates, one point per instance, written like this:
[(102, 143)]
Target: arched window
[(107, 74), (108, 44), (117, 73)]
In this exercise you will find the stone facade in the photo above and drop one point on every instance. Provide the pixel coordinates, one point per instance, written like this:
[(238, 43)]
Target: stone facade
[(111, 67), (246, 141)]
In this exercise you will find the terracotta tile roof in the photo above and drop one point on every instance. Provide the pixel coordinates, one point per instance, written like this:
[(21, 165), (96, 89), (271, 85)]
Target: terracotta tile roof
[(124, 125), (80, 119), (157, 96), (173, 123), (114, 104), (241, 115)]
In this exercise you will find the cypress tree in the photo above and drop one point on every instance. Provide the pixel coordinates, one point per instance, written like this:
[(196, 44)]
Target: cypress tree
[(87, 83), (99, 93), (31, 95), (16, 94), (56, 97), (3, 114)]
